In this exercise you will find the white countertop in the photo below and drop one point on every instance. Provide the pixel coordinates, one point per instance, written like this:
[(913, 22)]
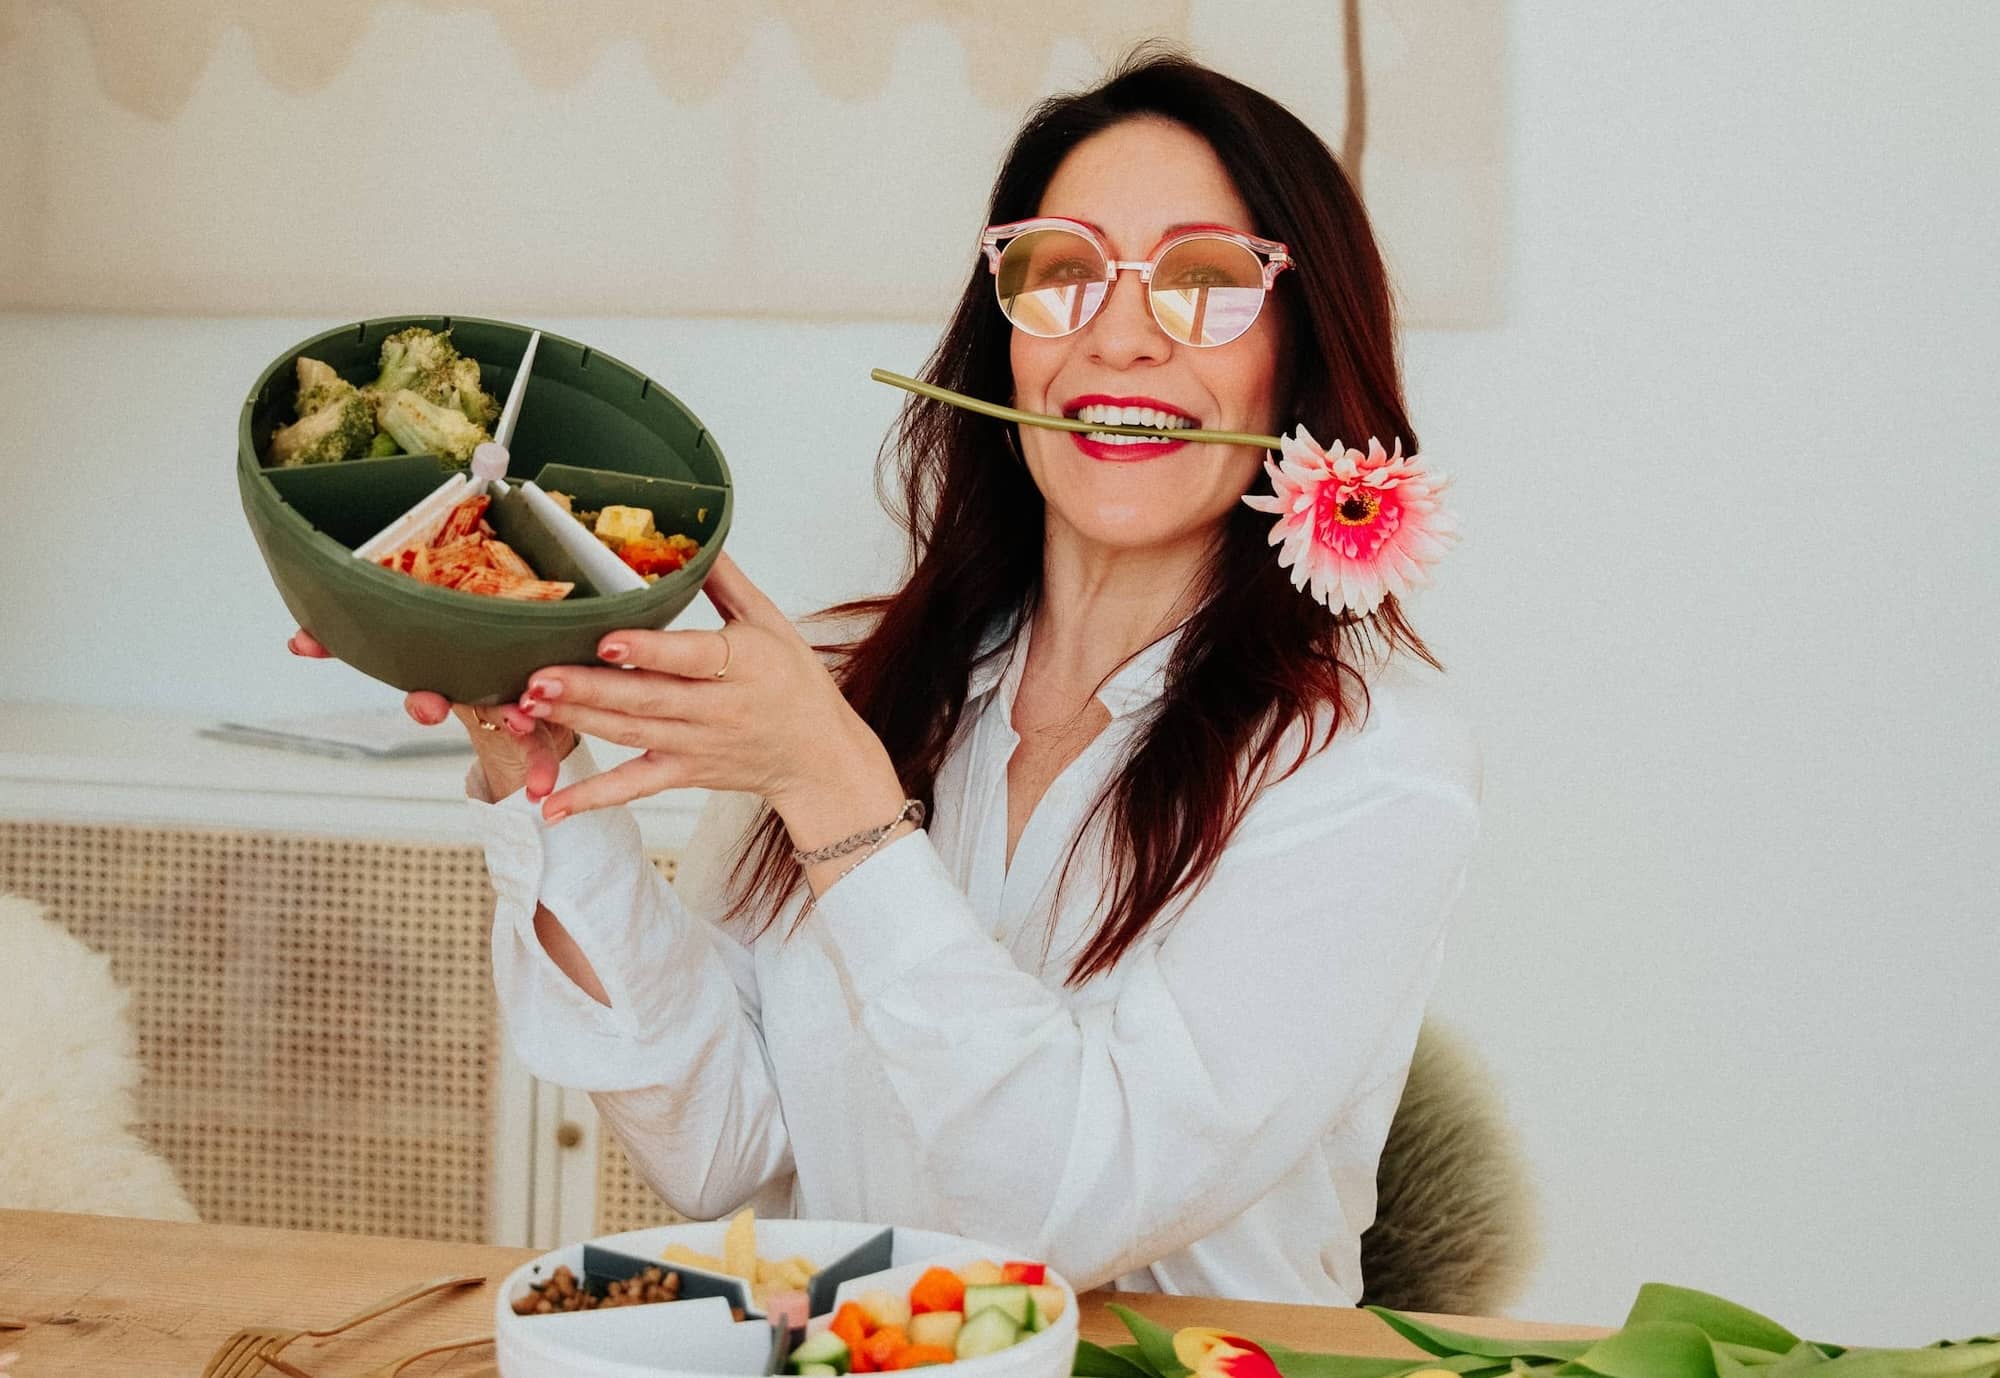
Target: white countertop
[(77, 764)]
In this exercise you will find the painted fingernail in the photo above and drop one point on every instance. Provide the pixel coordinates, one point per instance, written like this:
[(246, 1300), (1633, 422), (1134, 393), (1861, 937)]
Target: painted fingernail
[(545, 689), (537, 709), (612, 650)]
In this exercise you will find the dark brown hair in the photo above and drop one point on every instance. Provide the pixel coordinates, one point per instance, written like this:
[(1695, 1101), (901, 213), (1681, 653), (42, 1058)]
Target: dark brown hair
[(1258, 680)]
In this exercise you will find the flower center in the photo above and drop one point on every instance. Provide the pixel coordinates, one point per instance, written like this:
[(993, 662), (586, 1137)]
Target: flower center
[(1355, 521)]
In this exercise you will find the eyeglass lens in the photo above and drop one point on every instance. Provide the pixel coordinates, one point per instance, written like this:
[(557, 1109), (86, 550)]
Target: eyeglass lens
[(1205, 291)]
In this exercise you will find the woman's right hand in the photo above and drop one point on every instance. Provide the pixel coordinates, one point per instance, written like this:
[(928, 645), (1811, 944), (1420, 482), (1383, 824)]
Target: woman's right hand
[(514, 750)]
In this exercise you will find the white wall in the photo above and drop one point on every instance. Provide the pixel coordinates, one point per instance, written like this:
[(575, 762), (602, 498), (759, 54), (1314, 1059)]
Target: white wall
[(1725, 617)]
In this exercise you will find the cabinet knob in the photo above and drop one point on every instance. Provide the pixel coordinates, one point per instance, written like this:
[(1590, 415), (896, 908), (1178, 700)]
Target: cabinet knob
[(568, 1134)]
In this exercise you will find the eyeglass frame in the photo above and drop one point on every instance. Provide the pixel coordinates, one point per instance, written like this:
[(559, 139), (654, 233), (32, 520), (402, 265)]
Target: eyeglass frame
[(1273, 257)]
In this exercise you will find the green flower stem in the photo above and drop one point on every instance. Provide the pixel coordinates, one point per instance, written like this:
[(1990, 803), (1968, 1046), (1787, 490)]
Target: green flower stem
[(1063, 423)]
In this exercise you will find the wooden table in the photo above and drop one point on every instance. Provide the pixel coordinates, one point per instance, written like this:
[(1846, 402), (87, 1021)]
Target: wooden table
[(137, 1298)]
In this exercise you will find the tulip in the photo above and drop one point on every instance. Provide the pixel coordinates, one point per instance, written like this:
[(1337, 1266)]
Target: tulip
[(1212, 1353)]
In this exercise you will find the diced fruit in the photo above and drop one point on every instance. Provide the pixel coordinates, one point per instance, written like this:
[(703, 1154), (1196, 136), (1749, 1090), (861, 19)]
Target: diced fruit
[(1048, 1304), (883, 1347), (1031, 1273), (936, 1328), (824, 1349), (620, 524), (939, 1289), (1011, 1298), (981, 1274), (851, 1324), (884, 1309), (986, 1332), (916, 1356)]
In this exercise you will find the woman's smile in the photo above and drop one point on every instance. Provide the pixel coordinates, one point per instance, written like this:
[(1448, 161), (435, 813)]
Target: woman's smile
[(1126, 411)]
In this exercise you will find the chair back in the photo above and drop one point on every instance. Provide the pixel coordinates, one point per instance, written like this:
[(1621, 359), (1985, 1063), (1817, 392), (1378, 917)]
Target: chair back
[(1454, 1227)]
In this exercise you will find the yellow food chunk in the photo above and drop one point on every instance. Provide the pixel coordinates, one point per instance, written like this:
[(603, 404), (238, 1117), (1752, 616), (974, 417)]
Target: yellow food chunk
[(981, 1274), (681, 1253), (739, 1241), (619, 524), (936, 1328), (884, 1307)]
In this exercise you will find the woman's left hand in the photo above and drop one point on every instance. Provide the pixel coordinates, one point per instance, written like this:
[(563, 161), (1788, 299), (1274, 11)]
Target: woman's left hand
[(748, 708)]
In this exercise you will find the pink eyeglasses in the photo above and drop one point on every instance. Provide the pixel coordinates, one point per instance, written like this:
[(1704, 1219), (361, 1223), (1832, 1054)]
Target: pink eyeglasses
[(1205, 285)]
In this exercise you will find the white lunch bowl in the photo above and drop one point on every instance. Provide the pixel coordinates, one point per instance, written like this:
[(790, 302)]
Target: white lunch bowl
[(698, 1336)]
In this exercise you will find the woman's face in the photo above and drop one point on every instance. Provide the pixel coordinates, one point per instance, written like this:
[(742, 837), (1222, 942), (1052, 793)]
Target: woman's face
[(1134, 182)]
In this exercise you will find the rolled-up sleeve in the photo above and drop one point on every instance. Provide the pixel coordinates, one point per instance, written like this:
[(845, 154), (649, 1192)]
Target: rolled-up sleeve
[(675, 1062)]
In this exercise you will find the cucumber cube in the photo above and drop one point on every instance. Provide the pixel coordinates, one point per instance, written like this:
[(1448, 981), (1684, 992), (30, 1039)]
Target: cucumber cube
[(1010, 1297), (825, 1350), (987, 1332)]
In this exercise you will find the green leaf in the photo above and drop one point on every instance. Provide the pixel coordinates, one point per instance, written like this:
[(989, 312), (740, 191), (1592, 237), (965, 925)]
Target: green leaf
[(1095, 1361), (1959, 1361), (1653, 1349), (1732, 1358), (1800, 1357), (1294, 1363), (1435, 1339), (1718, 1317), (1156, 1342)]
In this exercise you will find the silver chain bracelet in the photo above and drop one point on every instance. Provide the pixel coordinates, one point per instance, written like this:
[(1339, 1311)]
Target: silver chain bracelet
[(912, 812)]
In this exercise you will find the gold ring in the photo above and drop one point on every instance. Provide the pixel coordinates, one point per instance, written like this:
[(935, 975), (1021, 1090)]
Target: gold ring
[(728, 653), (489, 726)]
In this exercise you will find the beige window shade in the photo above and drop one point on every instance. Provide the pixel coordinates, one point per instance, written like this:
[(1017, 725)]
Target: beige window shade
[(620, 157)]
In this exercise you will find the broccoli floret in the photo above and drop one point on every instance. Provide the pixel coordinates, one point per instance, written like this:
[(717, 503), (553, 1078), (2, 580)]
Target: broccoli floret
[(422, 427), (420, 360), (384, 446), (474, 401), (318, 385), (339, 429)]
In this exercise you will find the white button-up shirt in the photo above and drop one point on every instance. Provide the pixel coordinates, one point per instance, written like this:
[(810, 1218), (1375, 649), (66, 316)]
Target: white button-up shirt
[(1204, 1118)]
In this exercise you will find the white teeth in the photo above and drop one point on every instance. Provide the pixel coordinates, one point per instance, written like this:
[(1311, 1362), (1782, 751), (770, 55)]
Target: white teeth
[(1132, 416)]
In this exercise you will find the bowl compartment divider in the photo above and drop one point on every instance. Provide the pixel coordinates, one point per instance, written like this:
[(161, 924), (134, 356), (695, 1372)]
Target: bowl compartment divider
[(351, 502), (602, 1267), (870, 1256), (516, 520)]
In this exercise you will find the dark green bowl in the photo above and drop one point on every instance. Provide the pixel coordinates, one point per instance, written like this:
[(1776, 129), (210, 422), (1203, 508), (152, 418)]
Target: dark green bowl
[(617, 437)]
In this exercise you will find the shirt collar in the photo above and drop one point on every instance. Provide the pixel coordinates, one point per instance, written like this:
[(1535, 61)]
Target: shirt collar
[(1138, 683)]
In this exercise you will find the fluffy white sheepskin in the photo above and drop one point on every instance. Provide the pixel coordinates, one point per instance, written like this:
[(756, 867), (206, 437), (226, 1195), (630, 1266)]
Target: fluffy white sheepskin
[(68, 1067)]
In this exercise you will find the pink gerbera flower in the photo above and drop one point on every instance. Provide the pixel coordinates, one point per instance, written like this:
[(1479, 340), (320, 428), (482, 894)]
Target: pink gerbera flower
[(1356, 526)]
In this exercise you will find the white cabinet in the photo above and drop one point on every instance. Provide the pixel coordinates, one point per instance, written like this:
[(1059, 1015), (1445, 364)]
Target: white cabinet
[(305, 940)]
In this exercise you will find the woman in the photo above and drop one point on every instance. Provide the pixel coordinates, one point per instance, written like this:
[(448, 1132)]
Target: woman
[(1141, 1000)]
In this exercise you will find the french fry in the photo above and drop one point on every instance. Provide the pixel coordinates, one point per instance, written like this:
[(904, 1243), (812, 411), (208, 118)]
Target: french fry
[(681, 1253), (766, 1276), (739, 1246)]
